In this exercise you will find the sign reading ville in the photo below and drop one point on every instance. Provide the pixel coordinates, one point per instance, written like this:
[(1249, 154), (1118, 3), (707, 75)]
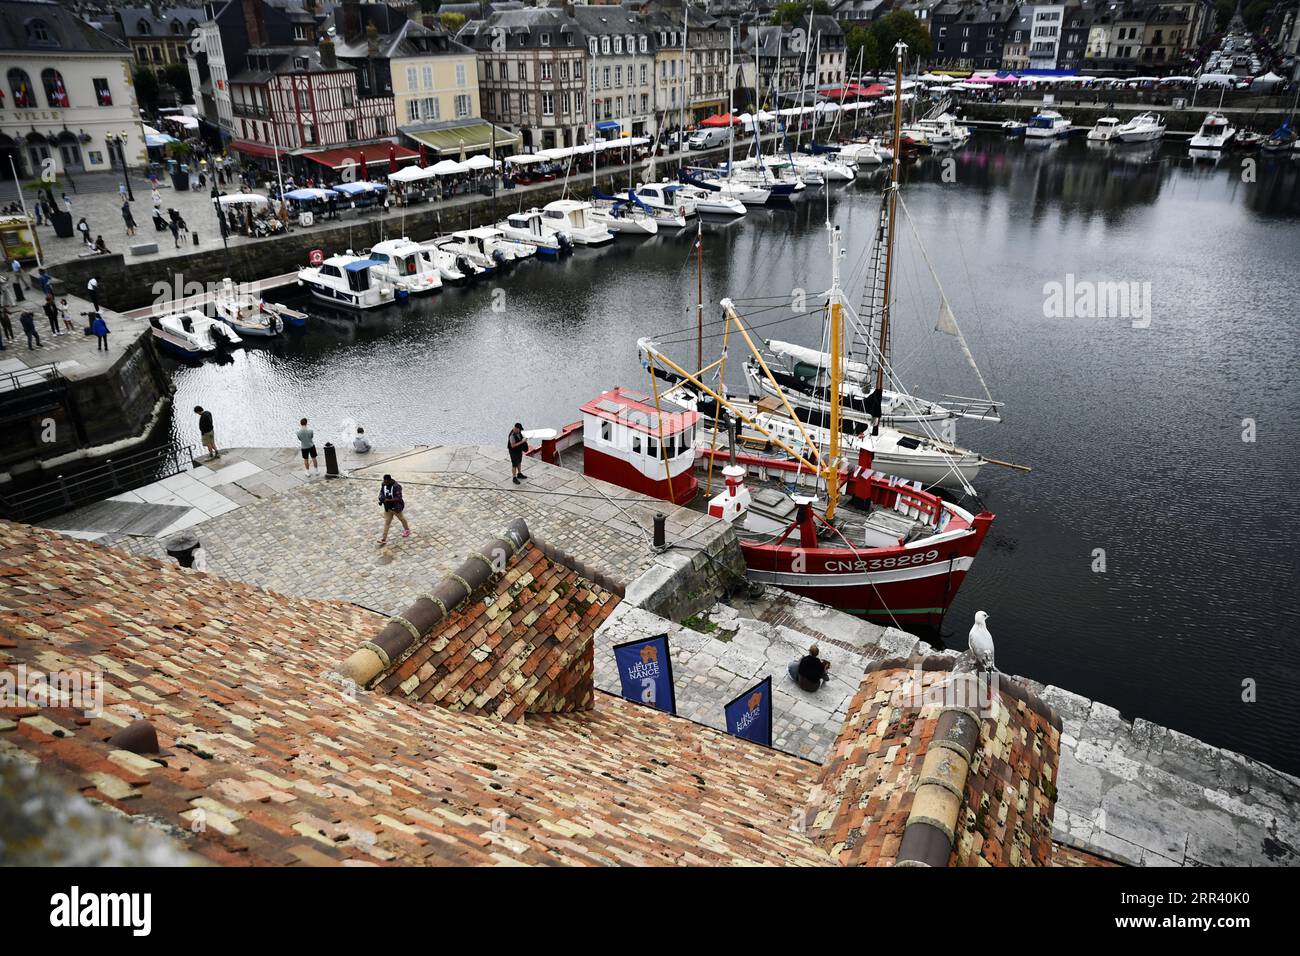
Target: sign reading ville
[(29, 116)]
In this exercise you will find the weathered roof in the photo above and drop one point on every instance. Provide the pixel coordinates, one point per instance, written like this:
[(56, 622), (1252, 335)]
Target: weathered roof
[(867, 788), (66, 32), (143, 22), (268, 760)]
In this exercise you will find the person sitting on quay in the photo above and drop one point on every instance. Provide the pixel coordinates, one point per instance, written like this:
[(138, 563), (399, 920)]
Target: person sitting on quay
[(100, 248), (810, 671), (361, 444)]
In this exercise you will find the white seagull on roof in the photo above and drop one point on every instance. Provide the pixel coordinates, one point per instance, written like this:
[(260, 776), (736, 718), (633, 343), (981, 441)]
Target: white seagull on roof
[(981, 642)]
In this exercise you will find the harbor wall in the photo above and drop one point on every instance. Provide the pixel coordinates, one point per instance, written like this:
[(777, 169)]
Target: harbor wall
[(127, 282), (73, 419)]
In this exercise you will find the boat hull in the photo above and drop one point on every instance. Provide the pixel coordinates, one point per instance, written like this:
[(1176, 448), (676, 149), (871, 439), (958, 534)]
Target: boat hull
[(681, 490)]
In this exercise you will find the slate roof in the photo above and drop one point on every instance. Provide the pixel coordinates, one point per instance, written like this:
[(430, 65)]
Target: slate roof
[(866, 788), (160, 24), (269, 760), (68, 32)]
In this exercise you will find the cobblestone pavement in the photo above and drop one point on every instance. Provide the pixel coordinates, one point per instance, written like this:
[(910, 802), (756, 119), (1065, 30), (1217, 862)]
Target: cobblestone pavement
[(320, 540)]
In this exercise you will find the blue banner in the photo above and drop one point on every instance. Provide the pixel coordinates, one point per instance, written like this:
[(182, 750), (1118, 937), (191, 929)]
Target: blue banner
[(646, 673), (750, 715)]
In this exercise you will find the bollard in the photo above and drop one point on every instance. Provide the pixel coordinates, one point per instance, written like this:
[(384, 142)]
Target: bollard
[(661, 538), (182, 546), (331, 461), (196, 237)]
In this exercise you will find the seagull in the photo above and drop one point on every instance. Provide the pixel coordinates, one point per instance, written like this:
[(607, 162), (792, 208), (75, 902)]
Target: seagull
[(981, 642)]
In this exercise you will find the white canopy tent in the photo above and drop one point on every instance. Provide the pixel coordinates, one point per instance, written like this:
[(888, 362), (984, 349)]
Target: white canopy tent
[(409, 174), (447, 167), (525, 159), (481, 161)]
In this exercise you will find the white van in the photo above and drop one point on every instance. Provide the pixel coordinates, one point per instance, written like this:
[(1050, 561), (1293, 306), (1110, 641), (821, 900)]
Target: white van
[(708, 138)]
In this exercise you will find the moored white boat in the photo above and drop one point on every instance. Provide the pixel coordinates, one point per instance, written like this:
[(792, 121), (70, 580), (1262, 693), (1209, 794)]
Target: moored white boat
[(1105, 130), (192, 335), (723, 201), (1215, 133), (348, 281), (1144, 128), (400, 263), (622, 215), (532, 227), (574, 217), (1047, 124), (245, 312)]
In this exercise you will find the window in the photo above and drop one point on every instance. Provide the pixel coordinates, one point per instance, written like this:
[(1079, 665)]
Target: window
[(618, 44), (350, 129), (548, 104), (38, 33), (347, 97), (618, 76), (545, 39), (143, 28), (643, 74), (565, 102), (564, 69), (431, 108), (604, 45), (487, 70), (505, 74), (523, 70), (308, 134), (491, 102), (580, 100), (606, 84), (605, 431), (410, 78), (591, 45), (103, 95), (577, 69), (412, 110), (304, 101), (645, 103), (20, 89), (644, 43), (463, 102), (460, 75), (523, 102), (55, 92), (545, 67)]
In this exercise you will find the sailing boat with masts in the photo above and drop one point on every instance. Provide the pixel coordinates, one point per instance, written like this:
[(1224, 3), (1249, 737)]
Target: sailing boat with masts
[(848, 536)]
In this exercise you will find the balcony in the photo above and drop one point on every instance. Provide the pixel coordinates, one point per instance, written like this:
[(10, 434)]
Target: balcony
[(249, 111)]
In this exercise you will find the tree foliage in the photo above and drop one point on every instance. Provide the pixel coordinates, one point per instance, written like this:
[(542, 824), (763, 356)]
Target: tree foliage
[(146, 89), (793, 11), (901, 25), (177, 76), (863, 52)]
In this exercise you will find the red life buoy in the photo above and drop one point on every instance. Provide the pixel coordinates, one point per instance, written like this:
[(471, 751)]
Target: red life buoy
[(315, 257)]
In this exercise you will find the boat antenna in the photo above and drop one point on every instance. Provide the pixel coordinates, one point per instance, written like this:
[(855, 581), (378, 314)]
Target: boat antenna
[(899, 50)]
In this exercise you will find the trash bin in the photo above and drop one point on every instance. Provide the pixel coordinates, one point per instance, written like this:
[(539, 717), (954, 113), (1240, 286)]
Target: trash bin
[(62, 223)]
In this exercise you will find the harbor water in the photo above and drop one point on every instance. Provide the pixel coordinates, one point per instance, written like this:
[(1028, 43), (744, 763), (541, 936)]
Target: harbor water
[(1148, 560)]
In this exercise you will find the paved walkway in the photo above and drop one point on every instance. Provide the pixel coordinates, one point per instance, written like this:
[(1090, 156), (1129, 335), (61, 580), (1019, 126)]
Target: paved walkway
[(320, 540), (75, 354)]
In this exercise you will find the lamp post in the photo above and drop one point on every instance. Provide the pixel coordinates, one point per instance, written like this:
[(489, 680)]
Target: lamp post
[(118, 144)]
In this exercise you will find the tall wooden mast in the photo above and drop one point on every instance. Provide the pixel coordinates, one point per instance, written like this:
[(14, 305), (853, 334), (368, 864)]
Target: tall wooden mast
[(899, 49), (831, 466)]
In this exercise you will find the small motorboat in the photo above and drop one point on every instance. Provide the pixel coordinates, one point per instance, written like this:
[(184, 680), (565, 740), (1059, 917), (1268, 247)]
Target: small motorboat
[(291, 319), (1047, 124), (1143, 128), (1106, 130), (1281, 140), (622, 215), (245, 312), (1215, 133), (721, 202), (574, 217), (452, 269), (869, 153), (532, 227), (400, 263), (1249, 139), (1013, 127), (192, 335), (349, 281)]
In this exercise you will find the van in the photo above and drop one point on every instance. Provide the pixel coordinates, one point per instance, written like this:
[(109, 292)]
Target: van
[(707, 138)]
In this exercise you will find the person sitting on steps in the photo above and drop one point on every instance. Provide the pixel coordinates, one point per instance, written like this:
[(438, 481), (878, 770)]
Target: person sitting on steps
[(810, 671)]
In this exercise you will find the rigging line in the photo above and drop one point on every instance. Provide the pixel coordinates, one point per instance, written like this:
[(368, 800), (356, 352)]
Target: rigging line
[(978, 312), (944, 300), (765, 325)]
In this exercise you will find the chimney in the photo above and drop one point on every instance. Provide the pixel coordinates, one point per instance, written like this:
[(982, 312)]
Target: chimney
[(372, 40), (327, 58), (254, 25), (349, 22)]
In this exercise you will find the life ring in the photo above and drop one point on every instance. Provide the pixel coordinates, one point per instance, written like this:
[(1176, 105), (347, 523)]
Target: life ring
[(315, 257)]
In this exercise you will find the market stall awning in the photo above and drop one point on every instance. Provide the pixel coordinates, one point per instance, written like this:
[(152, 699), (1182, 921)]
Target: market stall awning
[(252, 149), (351, 155), (472, 136), (721, 119), (609, 124)]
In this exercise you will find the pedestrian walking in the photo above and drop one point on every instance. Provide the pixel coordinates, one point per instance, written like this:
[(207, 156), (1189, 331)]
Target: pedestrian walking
[(100, 330), (63, 314), (176, 231), (83, 227), (390, 497), (128, 219), (121, 191), (307, 445), (156, 198), (40, 212), (207, 432), (92, 290), (28, 322), (67, 204), (52, 313), (517, 444), (6, 326), (16, 267)]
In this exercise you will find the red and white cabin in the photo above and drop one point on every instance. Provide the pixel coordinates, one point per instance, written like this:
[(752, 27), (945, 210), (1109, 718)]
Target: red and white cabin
[(626, 442)]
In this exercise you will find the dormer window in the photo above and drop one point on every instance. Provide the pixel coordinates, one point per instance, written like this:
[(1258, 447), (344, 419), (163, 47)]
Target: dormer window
[(300, 63), (545, 39), (618, 44), (38, 32), (300, 32), (591, 44), (604, 44), (143, 28)]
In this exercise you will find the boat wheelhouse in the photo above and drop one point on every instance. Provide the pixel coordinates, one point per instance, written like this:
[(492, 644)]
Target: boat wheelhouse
[(531, 227), (1047, 124), (400, 262), (629, 442), (1105, 130), (574, 217), (245, 312), (1215, 133)]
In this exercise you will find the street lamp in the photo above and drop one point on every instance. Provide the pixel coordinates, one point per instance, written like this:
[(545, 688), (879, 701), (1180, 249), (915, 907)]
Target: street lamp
[(118, 141)]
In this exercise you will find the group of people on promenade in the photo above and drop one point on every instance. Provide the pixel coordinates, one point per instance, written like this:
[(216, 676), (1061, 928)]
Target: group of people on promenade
[(13, 280)]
